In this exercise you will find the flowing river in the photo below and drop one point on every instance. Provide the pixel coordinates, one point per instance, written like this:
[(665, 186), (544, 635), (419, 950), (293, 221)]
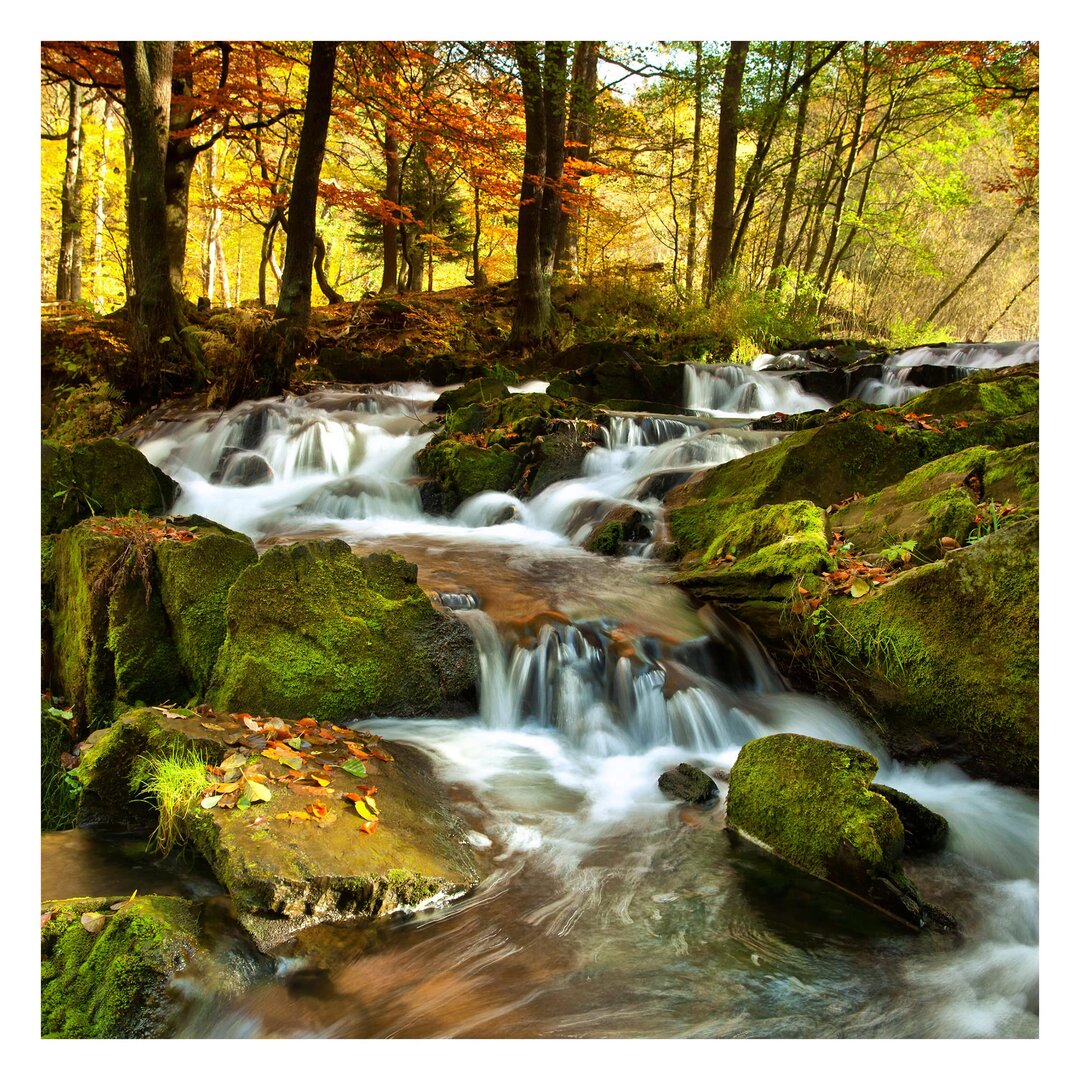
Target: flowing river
[(606, 910)]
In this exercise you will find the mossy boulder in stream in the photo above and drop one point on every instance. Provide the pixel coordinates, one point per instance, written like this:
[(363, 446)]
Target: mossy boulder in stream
[(105, 972), (107, 477), (138, 610), (314, 630), (297, 855), (808, 801), (458, 469)]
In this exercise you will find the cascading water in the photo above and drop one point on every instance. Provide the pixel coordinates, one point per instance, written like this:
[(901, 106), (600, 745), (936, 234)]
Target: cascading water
[(607, 911), (972, 356), (741, 391)]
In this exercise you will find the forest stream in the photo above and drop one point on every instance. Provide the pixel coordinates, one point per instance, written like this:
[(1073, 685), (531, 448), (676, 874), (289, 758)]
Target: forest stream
[(606, 910)]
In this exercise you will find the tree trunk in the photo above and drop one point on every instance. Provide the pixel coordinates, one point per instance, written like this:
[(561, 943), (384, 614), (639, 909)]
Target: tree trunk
[(69, 265), (541, 203), (479, 277), (997, 242), (723, 219), (179, 162), (392, 194), (98, 251), (578, 144), (294, 301), (791, 180), (331, 294), (695, 170), (849, 167), (156, 317)]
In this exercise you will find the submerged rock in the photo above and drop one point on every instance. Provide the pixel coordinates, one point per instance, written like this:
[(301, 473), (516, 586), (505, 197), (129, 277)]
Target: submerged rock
[(105, 973), (808, 801), (622, 525), (285, 863), (687, 783), (107, 477), (314, 630), (924, 831)]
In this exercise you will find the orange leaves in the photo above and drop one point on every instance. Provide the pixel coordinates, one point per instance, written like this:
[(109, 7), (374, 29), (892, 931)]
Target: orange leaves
[(154, 529), (923, 421), (368, 826)]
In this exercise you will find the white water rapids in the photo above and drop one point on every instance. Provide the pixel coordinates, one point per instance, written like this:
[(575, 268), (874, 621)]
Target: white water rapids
[(608, 911)]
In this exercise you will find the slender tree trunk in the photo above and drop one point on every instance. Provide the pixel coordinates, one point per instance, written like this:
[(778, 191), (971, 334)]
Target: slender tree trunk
[(555, 87), (392, 194), (849, 166), (294, 301), (479, 277), (1008, 307), (328, 290), (723, 219), (179, 162), (579, 144), (69, 264), (156, 317), (98, 251), (695, 171), (532, 316), (791, 180), (995, 244)]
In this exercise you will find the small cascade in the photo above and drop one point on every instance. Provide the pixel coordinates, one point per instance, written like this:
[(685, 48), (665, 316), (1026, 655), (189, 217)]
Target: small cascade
[(971, 356), (893, 388), (738, 390), (269, 463), (609, 693)]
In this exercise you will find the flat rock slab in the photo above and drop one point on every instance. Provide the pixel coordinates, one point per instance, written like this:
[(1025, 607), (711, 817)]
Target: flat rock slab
[(303, 856)]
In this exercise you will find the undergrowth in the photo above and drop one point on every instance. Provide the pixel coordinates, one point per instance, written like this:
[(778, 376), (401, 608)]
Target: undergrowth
[(173, 782)]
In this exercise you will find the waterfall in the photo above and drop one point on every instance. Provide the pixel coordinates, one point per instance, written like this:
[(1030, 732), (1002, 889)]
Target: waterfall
[(737, 390), (970, 355)]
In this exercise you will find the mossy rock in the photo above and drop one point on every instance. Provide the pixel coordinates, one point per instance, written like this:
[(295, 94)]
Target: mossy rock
[(106, 477), (114, 984), (457, 470), (347, 365), (314, 630), (940, 499), (111, 642), (773, 546), (620, 526), (946, 656), (475, 391), (924, 831), (688, 783), (281, 873), (808, 802), (996, 394), (625, 374), (556, 452), (195, 577), (526, 414), (126, 631)]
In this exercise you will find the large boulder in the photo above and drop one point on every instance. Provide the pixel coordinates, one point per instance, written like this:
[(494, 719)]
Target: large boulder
[(946, 656), (941, 499), (138, 610), (808, 801), (299, 853), (107, 964), (314, 630), (456, 469), (106, 477), (625, 378)]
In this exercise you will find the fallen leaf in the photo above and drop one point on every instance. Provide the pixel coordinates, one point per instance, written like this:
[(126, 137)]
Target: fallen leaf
[(362, 809), (234, 761), (369, 827), (47, 917), (224, 789), (295, 743), (803, 591), (355, 768), (257, 792), (382, 755), (879, 427), (210, 802), (357, 750), (250, 724), (93, 922), (212, 727), (317, 810), (322, 781), (859, 587), (229, 801), (307, 722), (948, 543)]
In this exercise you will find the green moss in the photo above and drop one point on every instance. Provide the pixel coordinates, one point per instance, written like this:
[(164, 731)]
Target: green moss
[(475, 390), (310, 634), (1013, 476), (107, 477), (809, 801), (460, 470), (113, 984), (995, 394), (947, 655), (195, 578), (607, 539)]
